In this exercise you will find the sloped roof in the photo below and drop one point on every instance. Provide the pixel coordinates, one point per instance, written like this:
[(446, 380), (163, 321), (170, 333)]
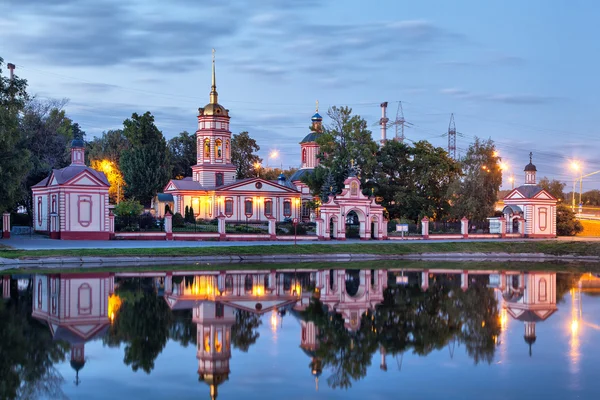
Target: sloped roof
[(165, 197), (299, 174), (529, 190), (64, 175), (311, 137), (186, 184)]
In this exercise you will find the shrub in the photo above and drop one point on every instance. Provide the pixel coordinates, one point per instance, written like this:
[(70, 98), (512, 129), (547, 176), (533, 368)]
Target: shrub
[(178, 221), (128, 208), (566, 223)]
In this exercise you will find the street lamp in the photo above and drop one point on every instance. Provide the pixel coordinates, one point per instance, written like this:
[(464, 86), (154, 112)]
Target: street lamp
[(257, 168), (576, 166), (273, 154)]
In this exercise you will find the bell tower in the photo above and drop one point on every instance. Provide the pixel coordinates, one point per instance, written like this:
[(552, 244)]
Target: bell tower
[(213, 140), (530, 171), (309, 149)]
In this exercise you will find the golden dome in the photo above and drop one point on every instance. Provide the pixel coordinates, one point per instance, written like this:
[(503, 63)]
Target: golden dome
[(214, 109)]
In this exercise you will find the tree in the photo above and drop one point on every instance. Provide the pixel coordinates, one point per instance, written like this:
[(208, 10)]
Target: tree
[(128, 208), (554, 187), (114, 176), (14, 157), (346, 142), (104, 154), (48, 133), (414, 181), (145, 164), (244, 332), (591, 198), (182, 149), (566, 223), (272, 174), (477, 190), (243, 156)]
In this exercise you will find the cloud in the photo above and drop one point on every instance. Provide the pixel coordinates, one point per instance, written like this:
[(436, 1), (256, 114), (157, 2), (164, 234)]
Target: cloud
[(522, 99)]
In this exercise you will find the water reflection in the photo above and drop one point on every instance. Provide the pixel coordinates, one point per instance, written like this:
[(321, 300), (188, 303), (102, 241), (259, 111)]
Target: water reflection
[(347, 318)]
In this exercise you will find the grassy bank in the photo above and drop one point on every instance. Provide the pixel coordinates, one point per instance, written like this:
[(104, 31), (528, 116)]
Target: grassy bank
[(545, 247), (406, 265)]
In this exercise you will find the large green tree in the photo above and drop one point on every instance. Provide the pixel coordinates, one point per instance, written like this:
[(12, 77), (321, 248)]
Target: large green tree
[(477, 190), (414, 181), (182, 149), (346, 143), (14, 157), (48, 133), (109, 146), (554, 187), (243, 155), (146, 163)]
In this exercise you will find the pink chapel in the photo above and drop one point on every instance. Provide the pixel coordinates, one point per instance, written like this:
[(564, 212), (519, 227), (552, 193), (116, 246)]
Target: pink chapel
[(72, 203)]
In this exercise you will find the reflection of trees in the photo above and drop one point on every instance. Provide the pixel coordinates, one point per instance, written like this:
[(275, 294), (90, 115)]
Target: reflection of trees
[(347, 354), (182, 328), (565, 282), (27, 353), (142, 323), (408, 318), (244, 332)]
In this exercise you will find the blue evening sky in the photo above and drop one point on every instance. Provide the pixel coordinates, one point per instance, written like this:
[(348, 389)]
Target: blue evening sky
[(520, 72)]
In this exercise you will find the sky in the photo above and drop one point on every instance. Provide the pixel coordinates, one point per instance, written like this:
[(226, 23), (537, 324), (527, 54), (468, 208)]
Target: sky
[(523, 73)]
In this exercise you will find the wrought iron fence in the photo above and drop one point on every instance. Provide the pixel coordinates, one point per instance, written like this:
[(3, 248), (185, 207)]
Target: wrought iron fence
[(246, 227), (139, 223), (444, 227), (302, 228), (479, 226), (199, 225), (413, 229)]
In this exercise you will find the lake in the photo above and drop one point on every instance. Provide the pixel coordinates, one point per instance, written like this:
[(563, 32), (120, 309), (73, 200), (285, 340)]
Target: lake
[(302, 333)]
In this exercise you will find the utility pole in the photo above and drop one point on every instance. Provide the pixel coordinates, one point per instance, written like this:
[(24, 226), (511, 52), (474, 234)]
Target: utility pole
[(452, 137), (400, 122)]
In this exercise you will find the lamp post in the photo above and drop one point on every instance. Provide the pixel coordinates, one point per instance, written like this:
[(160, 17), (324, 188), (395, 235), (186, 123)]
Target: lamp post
[(257, 168), (575, 165)]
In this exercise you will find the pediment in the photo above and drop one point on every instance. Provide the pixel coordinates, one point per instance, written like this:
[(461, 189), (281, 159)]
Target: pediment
[(543, 195), (514, 195), (265, 304), (53, 181), (85, 178), (257, 185), (170, 186)]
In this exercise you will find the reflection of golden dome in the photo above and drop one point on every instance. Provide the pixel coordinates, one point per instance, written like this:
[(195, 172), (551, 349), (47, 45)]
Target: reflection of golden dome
[(214, 380), (214, 109)]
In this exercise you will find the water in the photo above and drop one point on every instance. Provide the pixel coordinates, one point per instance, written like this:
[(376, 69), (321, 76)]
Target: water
[(265, 334)]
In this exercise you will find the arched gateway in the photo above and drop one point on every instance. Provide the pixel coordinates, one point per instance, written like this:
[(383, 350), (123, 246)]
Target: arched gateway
[(351, 214)]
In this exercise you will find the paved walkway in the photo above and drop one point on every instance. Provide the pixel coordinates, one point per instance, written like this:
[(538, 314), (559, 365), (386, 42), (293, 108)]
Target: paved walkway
[(37, 242)]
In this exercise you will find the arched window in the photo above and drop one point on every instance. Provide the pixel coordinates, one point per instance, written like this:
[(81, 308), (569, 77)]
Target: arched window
[(542, 290), (229, 283), (84, 299), (304, 156), (248, 207), (218, 149), (268, 207), (39, 296), (248, 283), (227, 152), (207, 148), (287, 208)]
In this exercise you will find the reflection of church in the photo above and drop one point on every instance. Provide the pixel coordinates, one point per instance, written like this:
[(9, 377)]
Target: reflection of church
[(352, 292), (529, 297), (214, 321), (78, 308)]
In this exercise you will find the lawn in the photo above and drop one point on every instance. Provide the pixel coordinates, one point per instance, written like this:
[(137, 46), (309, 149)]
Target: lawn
[(590, 228), (543, 247)]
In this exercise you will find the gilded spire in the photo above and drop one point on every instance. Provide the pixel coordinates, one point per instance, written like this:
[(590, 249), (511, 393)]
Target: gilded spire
[(213, 89)]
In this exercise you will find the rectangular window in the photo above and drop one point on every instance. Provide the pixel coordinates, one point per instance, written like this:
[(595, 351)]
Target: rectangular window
[(219, 179), (248, 207), (287, 208), (219, 310), (223, 125), (268, 207), (229, 207)]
